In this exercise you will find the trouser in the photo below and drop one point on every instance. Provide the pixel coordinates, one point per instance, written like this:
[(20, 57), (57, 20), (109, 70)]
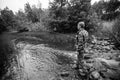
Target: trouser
[(80, 57), (80, 63)]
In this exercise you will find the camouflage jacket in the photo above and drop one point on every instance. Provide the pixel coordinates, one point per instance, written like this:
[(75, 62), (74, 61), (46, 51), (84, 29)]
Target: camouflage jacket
[(81, 39)]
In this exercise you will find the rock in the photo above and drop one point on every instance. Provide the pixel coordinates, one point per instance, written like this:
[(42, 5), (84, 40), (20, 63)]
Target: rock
[(87, 56), (86, 50), (118, 58), (89, 61), (91, 52), (107, 47), (74, 66), (95, 75), (110, 63), (64, 74), (110, 68), (81, 72), (106, 42), (111, 74), (111, 46)]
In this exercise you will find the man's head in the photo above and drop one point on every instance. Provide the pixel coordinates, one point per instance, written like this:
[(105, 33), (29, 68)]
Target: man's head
[(80, 25)]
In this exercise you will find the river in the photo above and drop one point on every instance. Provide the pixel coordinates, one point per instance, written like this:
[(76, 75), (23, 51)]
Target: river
[(25, 61)]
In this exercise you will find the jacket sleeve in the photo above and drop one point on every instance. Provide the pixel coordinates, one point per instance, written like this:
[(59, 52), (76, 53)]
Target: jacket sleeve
[(76, 40)]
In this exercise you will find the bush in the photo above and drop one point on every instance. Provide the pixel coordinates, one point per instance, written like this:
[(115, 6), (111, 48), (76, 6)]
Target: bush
[(64, 18), (111, 29), (37, 27), (116, 33), (63, 26)]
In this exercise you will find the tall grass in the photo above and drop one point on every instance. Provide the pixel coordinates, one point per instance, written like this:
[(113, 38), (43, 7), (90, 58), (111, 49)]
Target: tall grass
[(116, 33), (111, 29), (55, 40)]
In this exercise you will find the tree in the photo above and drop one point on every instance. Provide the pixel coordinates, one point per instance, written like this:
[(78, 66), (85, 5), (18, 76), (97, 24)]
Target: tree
[(66, 14), (112, 5), (111, 10), (99, 8), (21, 20), (31, 16), (79, 11), (57, 9), (38, 12), (2, 25), (112, 13), (8, 18)]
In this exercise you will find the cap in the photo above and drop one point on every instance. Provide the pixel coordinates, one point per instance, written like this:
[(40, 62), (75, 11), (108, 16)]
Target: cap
[(80, 25)]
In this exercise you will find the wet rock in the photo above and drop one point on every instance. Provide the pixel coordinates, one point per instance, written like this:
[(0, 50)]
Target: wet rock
[(106, 42), (107, 47), (110, 63), (90, 61), (64, 74), (91, 52), (111, 74), (98, 43), (118, 58), (109, 68), (87, 56), (95, 75), (82, 72), (20, 45), (86, 50)]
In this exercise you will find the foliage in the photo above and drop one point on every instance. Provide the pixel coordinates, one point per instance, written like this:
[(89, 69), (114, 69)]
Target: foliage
[(99, 7), (111, 10), (31, 16), (2, 25), (112, 5), (66, 14), (116, 33), (21, 20), (7, 18), (62, 16), (112, 13), (32, 19), (107, 10)]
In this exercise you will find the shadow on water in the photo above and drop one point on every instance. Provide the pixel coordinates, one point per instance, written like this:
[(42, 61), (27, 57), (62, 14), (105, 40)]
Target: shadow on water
[(7, 55)]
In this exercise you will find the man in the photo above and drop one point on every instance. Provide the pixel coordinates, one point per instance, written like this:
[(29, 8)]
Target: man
[(81, 39)]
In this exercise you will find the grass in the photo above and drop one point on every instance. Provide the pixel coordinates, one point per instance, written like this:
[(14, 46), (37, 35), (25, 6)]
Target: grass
[(54, 40)]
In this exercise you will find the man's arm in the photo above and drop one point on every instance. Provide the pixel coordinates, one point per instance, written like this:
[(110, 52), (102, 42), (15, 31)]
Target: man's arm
[(85, 37), (76, 41)]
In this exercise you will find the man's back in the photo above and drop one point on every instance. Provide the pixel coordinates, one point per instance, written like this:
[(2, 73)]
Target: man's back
[(82, 36)]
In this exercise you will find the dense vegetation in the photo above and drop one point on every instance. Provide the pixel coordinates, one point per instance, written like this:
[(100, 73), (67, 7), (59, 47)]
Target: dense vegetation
[(62, 16)]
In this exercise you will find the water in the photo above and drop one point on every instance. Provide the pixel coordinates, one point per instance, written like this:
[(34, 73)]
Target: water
[(26, 61)]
